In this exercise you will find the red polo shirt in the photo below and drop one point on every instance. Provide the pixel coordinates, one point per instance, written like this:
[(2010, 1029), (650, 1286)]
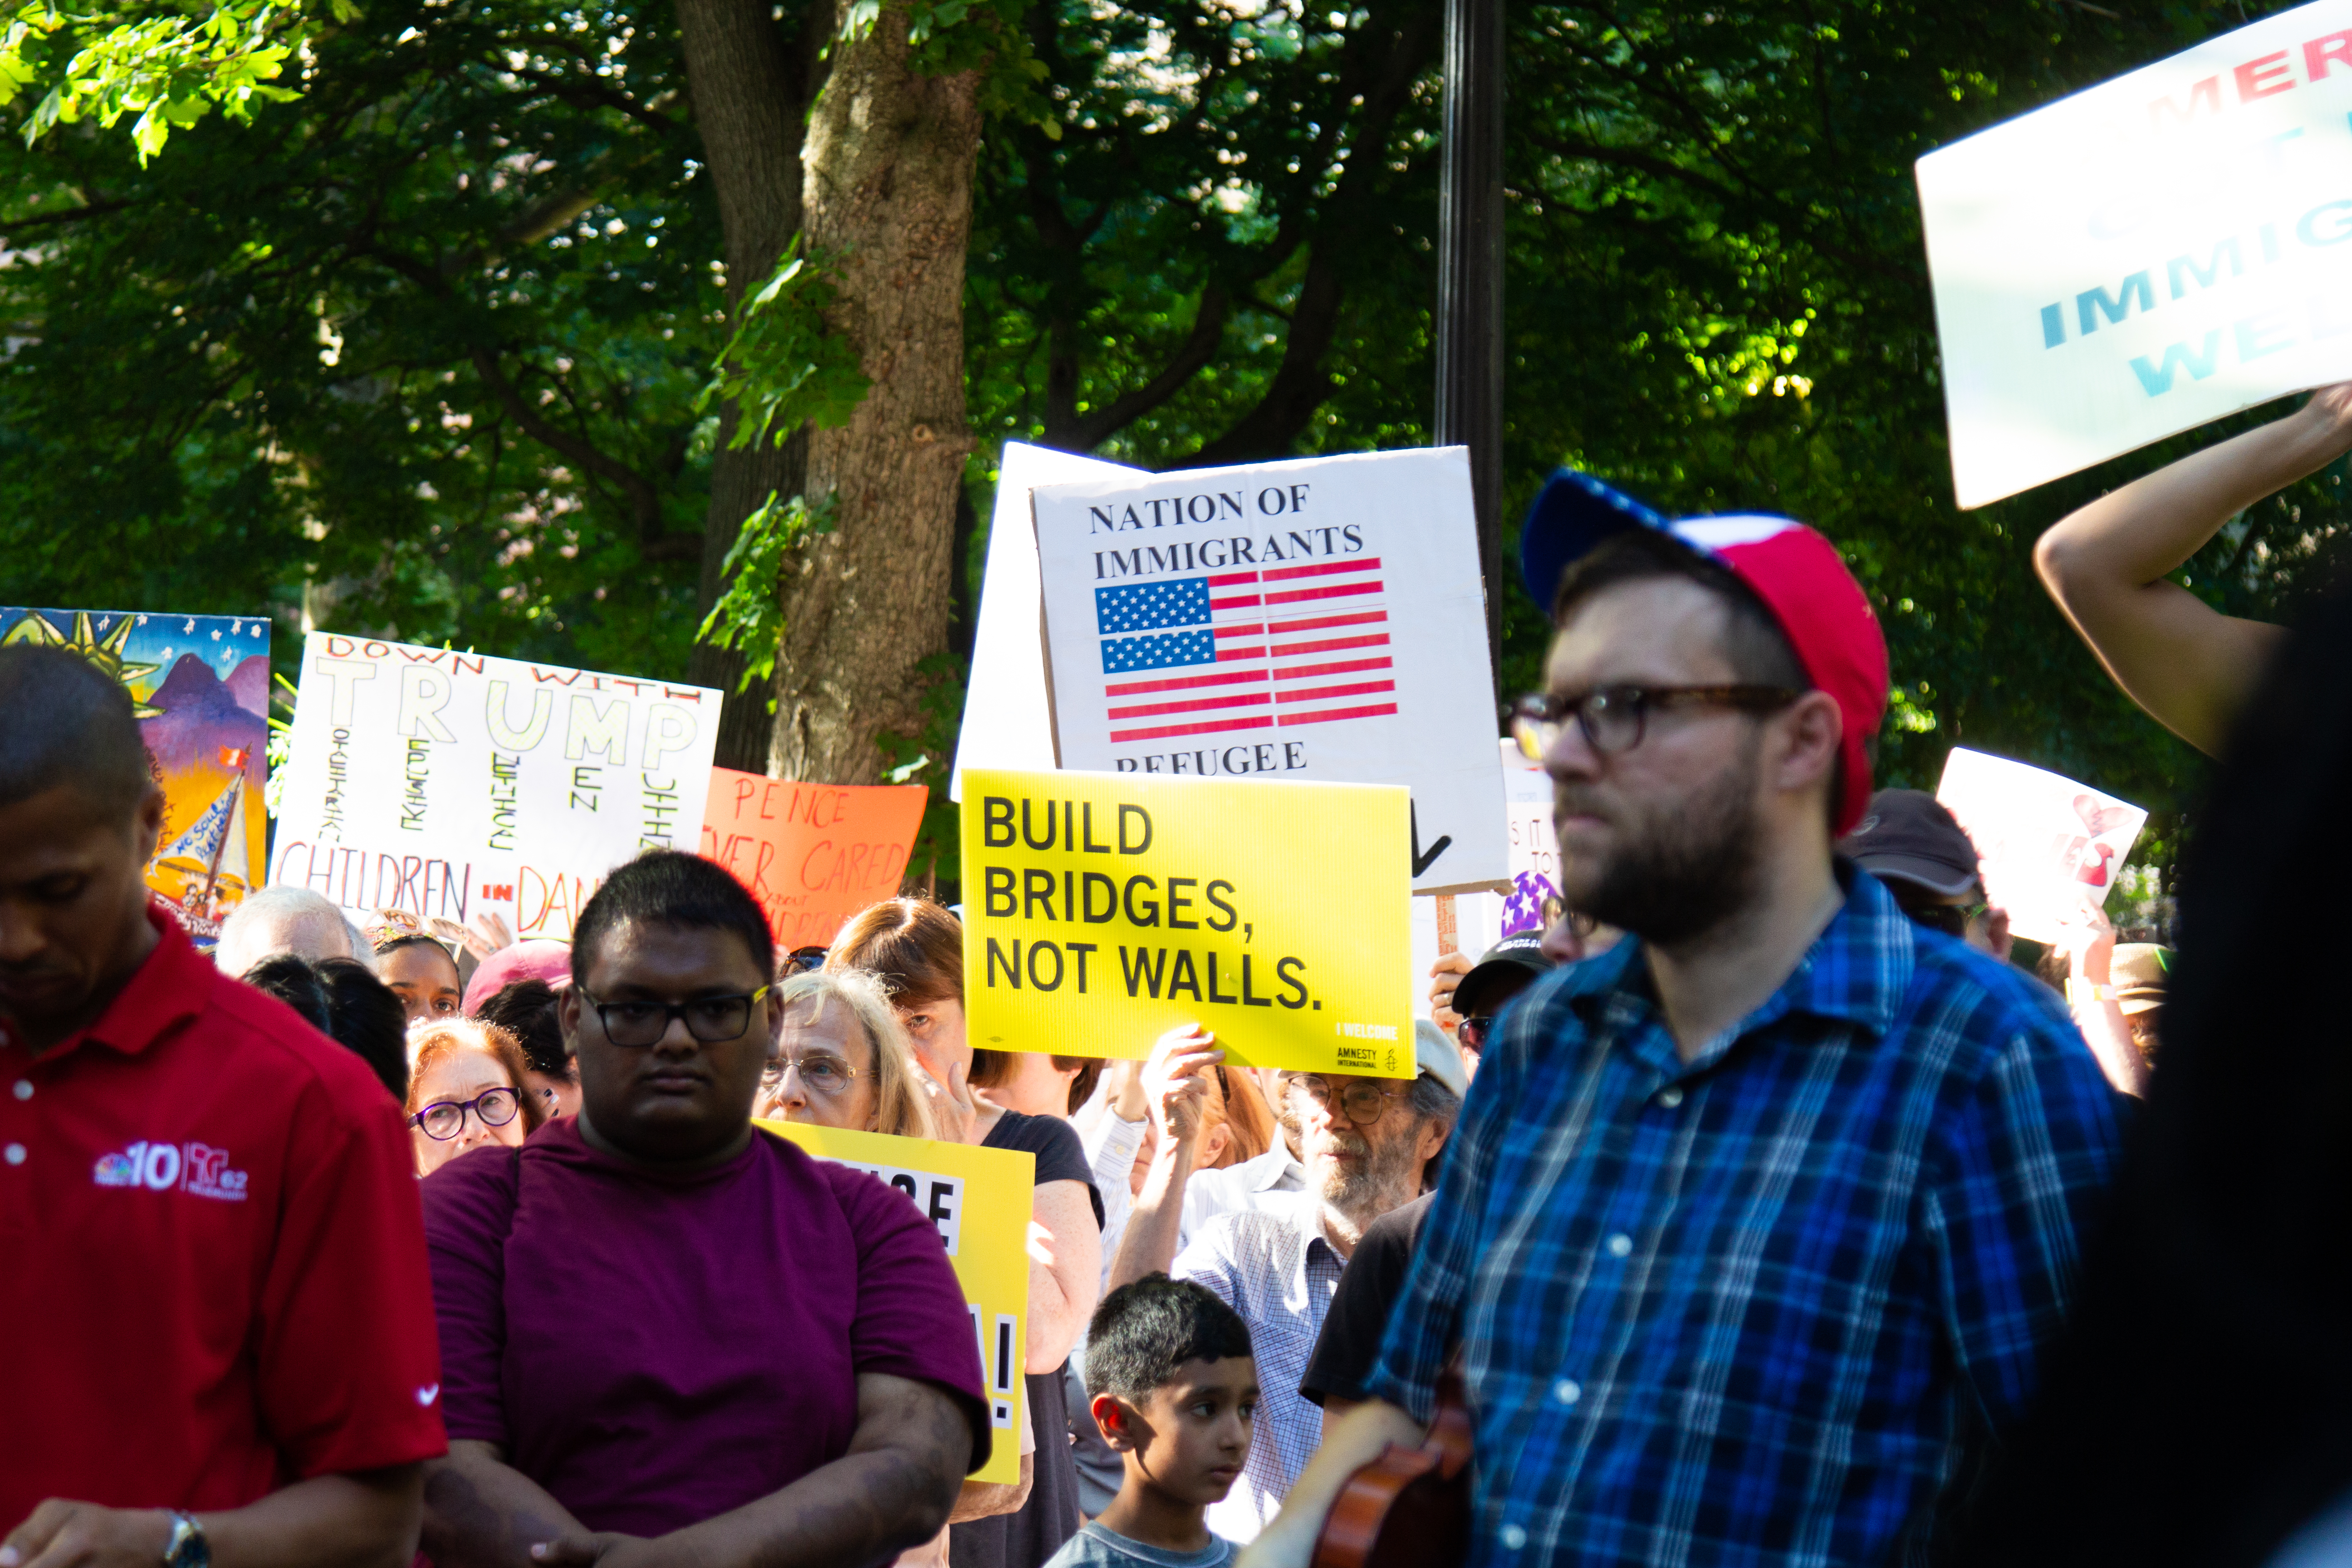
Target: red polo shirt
[(213, 1278)]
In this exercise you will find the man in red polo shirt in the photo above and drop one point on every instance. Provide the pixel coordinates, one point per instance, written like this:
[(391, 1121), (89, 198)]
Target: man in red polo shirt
[(214, 1293)]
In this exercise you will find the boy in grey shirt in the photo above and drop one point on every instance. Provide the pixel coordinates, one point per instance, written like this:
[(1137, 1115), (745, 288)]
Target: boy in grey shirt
[(1174, 1392)]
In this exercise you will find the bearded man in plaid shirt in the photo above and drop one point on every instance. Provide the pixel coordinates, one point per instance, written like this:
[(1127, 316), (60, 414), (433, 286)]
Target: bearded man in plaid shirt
[(1757, 1229)]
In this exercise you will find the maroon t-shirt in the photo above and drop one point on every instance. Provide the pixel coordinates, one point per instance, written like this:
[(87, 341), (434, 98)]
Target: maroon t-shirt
[(658, 1349)]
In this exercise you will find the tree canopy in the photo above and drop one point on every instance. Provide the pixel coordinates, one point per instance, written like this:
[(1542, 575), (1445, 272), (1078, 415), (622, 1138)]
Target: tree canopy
[(418, 349)]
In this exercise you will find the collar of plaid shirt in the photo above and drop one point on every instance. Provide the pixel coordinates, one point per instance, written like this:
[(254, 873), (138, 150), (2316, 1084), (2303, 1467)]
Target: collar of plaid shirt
[(1732, 1310), (1858, 971)]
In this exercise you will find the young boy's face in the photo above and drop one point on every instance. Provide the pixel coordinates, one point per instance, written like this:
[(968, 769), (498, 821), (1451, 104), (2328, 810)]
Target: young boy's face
[(1190, 1437)]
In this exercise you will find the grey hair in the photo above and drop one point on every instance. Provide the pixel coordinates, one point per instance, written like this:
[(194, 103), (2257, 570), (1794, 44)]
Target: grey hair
[(298, 917), (900, 1106), (1431, 1099)]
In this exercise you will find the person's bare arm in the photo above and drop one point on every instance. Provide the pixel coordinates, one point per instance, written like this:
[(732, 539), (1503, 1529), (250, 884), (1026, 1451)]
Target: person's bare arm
[(1179, 1091), (1350, 1444), (481, 1512), (892, 1490), (364, 1519), (2090, 942), (983, 1499), (2187, 664), (1065, 1272)]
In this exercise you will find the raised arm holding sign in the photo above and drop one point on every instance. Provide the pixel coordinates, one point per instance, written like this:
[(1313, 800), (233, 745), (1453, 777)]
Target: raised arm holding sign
[(2189, 665)]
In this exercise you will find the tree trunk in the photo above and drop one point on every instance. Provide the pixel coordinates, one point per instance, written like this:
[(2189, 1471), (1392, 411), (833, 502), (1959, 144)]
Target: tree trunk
[(751, 86), (888, 199)]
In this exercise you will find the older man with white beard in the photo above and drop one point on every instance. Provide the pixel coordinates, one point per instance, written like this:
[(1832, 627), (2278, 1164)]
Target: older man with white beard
[(1365, 1143)]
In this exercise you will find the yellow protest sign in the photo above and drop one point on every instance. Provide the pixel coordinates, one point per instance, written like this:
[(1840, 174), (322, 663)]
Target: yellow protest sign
[(980, 1199), (1101, 909)]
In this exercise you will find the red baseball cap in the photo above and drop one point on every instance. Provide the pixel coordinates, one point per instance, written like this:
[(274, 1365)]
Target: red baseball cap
[(1797, 573)]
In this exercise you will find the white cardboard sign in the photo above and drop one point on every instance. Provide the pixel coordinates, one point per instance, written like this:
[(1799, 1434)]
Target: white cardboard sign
[(1318, 620), (446, 783), (2047, 844), (1531, 902), (1008, 718), (2146, 256)]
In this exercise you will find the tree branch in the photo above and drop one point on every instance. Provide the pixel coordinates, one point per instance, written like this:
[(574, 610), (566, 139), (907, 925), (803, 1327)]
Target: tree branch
[(654, 541), (1200, 346), (71, 215)]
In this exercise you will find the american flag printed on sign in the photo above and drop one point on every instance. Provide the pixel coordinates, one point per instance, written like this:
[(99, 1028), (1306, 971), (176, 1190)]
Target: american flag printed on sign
[(1262, 649)]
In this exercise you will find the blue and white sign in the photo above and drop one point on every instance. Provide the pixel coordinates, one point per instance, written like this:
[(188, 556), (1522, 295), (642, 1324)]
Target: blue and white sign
[(1319, 620), (2147, 256)]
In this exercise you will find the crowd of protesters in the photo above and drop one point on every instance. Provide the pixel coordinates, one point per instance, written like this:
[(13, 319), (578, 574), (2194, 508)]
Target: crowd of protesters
[(1764, 1209)]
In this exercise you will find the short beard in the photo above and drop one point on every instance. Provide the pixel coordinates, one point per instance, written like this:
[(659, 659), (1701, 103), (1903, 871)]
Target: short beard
[(1354, 1190), (1689, 866)]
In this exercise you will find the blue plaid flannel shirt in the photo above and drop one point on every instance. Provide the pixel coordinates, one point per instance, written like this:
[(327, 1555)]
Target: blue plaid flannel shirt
[(1735, 1311)]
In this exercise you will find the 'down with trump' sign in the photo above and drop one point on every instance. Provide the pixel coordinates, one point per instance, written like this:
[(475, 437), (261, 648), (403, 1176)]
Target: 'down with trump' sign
[(446, 783), (1102, 910)]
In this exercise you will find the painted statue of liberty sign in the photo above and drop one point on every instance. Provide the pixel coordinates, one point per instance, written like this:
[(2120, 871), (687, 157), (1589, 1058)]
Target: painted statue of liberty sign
[(201, 684)]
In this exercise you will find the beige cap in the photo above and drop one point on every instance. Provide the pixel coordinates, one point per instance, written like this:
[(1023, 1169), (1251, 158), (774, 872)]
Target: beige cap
[(2139, 971)]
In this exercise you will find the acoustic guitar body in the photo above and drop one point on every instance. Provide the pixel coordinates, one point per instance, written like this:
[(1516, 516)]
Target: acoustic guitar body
[(1409, 1508)]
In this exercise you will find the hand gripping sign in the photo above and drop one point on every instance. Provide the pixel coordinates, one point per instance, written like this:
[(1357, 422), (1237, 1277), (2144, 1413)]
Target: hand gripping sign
[(1102, 910), (2146, 256), (980, 1200), (1320, 620)]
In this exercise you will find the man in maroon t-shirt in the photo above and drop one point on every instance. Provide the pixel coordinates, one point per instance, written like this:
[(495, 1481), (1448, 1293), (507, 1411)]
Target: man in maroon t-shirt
[(212, 1285), (666, 1336)]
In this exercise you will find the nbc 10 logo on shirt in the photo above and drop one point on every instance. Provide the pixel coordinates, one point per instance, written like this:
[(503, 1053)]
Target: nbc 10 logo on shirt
[(196, 1168)]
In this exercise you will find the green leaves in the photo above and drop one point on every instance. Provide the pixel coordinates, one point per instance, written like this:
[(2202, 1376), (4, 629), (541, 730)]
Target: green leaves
[(169, 70), (782, 367), (749, 617)]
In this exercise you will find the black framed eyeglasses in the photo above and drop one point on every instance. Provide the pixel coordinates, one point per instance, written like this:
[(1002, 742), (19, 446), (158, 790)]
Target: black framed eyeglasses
[(710, 1019), (1363, 1103), (445, 1119), (1615, 718), (800, 960), (822, 1071)]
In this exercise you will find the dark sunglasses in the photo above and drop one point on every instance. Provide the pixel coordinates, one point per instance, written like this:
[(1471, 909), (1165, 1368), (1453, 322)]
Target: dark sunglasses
[(1474, 1033), (800, 960)]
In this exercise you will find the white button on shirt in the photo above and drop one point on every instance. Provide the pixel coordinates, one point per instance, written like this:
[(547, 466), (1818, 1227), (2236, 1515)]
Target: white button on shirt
[(24, 1089), (1513, 1537), (13, 1153), (1620, 1244), (1568, 1391), (1670, 1096)]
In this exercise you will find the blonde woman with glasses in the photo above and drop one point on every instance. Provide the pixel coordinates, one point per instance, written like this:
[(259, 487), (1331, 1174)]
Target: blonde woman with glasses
[(843, 1060)]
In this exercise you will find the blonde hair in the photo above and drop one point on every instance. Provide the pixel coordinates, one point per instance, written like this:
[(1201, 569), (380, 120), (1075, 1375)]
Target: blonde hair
[(900, 1106), (436, 1042)]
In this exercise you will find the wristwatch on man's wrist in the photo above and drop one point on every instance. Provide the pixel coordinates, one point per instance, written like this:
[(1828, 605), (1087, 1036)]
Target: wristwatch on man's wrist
[(186, 1547)]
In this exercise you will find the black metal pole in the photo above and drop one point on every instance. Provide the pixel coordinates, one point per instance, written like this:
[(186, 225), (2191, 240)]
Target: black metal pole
[(1470, 276)]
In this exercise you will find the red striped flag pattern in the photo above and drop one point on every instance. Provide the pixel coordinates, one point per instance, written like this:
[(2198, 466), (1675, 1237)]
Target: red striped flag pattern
[(1295, 645)]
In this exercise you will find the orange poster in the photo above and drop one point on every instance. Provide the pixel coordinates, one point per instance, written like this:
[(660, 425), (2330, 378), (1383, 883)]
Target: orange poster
[(813, 854)]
